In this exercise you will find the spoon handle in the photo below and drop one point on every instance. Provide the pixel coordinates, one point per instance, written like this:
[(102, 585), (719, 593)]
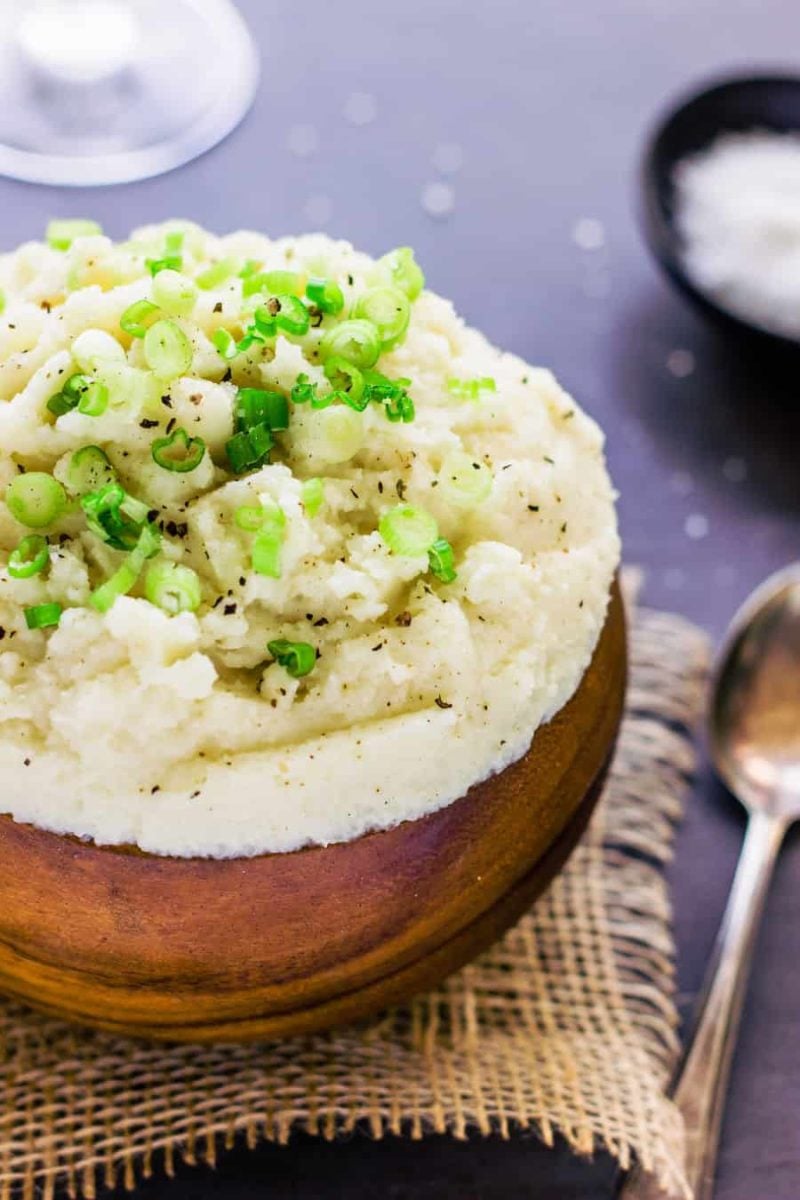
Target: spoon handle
[(699, 1088)]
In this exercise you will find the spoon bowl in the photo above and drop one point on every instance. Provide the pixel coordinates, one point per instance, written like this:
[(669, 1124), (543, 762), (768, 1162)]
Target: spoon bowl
[(734, 105), (755, 716)]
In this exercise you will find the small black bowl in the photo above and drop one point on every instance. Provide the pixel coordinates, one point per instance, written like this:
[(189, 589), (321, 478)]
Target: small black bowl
[(732, 105)]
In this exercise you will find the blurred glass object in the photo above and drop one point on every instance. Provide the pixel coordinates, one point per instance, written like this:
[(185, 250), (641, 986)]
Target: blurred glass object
[(107, 91)]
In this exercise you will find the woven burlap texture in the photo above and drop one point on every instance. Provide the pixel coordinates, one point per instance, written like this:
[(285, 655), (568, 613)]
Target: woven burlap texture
[(566, 1026)]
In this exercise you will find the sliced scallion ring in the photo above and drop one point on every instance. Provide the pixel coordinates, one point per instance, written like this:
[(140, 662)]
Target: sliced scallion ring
[(297, 658), (464, 481), (174, 293), (167, 350), (178, 452), (89, 470), (29, 558), (357, 341), (441, 561), (138, 317), (408, 530), (173, 587), (389, 310), (35, 499), (43, 616), (403, 270), (326, 294), (127, 575)]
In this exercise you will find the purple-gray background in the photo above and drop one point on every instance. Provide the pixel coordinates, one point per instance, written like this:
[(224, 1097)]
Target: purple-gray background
[(549, 100)]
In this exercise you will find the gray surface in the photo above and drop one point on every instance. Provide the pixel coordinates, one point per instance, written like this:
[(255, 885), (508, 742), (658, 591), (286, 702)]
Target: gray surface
[(550, 102)]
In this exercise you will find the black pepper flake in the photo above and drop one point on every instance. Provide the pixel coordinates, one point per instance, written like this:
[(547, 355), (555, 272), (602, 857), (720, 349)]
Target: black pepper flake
[(379, 646), (217, 307), (353, 492), (228, 376), (550, 460), (533, 508), (229, 609), (242, 581), (400, 488), (194, 795), (147, 423), (218, 601), (166, 401), (350, 280), (2, 633), (403, 619), (156, 788), (564, 527), (177, 529), (320, 621), (380, 486), (171, 423), (440, 703)]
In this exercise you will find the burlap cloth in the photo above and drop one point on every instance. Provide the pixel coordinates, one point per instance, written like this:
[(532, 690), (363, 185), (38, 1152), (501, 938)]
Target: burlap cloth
[(567, 1025)]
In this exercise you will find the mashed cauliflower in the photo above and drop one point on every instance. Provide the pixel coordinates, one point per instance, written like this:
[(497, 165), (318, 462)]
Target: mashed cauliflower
[(212, 648)]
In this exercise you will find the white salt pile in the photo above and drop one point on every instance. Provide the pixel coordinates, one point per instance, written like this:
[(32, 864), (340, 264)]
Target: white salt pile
[(738, 212)]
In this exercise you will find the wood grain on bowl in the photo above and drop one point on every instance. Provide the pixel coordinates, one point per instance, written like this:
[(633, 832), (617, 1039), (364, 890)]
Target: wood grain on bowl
[(204, 949)]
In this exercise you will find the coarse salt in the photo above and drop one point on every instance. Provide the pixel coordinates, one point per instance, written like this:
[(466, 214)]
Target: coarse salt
[(738, 213)]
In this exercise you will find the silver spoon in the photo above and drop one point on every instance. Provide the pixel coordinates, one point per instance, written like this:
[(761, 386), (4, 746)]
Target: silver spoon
[(755, 743)]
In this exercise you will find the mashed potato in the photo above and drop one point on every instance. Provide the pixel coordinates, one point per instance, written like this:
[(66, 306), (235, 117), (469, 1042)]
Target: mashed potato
[(297, 644)]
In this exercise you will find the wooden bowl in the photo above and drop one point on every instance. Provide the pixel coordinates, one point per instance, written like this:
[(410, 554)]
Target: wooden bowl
[(234, 949)]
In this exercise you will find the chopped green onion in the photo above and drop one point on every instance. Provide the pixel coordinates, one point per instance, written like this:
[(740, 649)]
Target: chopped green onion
[(254, 406), (389, 310), (174, 293), (266, 557), (440, 560), (126, 576), (30, 557), (89, 396), (357, 341), (218, 273), (225, 343), (273, 282), (114, 516), (303, 390), (59, 404), (392, 394), (172, 259), (89, 470), (249, 517), (403, 271), (93, 346), (464, 481), (250, 267), (292, 315), (347, 381), (470, 389), (297, 658), (94, 400), (326, 294), (178, 452), (43, 616), (35, 499), (249, 450), (138, 317), (173, 588), (313, 496), (167, 350), (61, 234), (408, 530)]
